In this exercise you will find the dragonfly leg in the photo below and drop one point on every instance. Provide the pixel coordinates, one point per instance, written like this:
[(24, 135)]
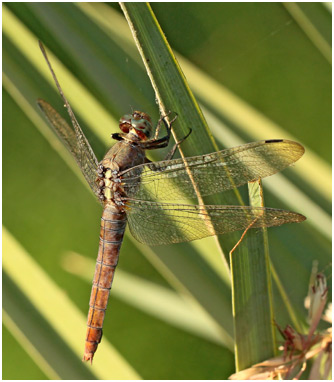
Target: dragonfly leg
[(155, 143), (171, 153), (117, 136), (176, 145), (163, 142), (168, 125)]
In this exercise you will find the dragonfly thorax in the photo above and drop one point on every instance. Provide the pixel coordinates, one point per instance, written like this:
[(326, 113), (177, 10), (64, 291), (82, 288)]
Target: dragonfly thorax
[(138, 124), (109, 184)]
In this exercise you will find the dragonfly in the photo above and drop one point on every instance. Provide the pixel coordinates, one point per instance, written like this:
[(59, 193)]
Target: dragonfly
[(143, 194)]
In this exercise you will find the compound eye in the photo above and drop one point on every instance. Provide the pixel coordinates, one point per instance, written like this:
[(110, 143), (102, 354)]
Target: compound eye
[(125, 123), (125, 127), (138, 121), (143, 128), (137, 115)]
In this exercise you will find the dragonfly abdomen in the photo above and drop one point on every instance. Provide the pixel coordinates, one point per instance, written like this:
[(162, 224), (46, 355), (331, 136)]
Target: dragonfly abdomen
[(113, 224)]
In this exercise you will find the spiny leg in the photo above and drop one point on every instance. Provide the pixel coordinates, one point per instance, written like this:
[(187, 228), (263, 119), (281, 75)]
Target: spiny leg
[(176, 145), (158, 143), (167, 125)]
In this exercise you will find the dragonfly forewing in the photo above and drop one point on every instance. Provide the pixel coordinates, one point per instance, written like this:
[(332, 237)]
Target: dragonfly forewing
[(210, 173)]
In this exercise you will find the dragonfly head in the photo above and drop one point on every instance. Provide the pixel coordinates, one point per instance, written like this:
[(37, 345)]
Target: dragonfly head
[(137, 123)]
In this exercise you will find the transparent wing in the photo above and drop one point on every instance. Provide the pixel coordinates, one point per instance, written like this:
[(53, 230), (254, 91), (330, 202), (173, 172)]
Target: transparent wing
[(164, 223), (75, 141), (211, 173), (73, 137)]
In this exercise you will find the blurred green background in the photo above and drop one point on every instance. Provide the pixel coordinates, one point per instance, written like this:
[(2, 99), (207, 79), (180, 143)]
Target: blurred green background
[(260, 71)]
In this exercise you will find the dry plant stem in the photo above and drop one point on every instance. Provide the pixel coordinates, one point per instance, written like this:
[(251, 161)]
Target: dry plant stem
[(243, 235)]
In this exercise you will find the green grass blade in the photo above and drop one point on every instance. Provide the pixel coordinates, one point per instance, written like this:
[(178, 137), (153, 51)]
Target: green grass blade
[(169, 84), (251, 293)]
